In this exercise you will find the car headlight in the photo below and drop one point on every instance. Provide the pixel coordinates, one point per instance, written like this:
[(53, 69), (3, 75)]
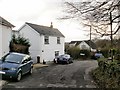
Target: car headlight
[(13, 69)]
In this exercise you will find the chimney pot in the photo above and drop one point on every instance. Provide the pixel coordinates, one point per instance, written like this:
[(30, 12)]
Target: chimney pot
[(51, 25)]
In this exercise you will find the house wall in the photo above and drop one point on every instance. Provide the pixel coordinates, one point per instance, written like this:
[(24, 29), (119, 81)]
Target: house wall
[(0, 40), (38, 48), (48, 50), (34, 39), (5, 34), (72, 45), (84, 45), (6, 38)]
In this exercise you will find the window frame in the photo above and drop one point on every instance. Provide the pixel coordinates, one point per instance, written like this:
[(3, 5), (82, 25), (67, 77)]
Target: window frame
[(57, 53), (46, 39), (58, 40)]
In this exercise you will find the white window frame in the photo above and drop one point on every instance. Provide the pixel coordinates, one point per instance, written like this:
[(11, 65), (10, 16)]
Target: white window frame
[(46, 39), (58, 40)]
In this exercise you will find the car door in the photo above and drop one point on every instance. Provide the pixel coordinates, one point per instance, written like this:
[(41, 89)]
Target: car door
[(28, 64), (24, 66)]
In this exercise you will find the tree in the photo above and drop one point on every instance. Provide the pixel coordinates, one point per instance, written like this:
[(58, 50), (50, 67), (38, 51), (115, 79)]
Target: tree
[(95, 14)]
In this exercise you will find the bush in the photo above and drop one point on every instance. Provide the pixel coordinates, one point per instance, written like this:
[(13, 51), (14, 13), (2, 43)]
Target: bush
[(19, 44), (108, 73), (105, 52), (74, 52), (86, 54)]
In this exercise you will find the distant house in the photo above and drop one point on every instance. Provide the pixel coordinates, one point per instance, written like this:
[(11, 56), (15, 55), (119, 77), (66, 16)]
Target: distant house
[(87, 44), (5, 36), (46, 42)]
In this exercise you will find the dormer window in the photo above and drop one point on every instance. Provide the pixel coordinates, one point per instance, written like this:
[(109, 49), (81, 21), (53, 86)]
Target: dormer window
[(58, 40), (46, 39)]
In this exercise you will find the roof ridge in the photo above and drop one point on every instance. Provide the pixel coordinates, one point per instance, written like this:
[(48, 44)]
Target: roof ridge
[(40, 25), (45, 30)]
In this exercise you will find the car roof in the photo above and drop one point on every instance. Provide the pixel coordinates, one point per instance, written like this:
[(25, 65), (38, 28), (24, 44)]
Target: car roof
[(18, 53)]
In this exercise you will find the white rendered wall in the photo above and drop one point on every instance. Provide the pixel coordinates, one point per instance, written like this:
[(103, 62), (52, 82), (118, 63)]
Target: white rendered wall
[(34, 39), (0, 40), (5, 37), (38, 48), (48, 53), (86, 45)]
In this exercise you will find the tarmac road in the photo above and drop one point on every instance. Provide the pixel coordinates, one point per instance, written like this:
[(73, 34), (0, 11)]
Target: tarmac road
[(74, 75)]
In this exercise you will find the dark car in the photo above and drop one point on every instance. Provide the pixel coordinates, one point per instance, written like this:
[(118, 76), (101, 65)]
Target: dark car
[(63, 59), (14, 65)]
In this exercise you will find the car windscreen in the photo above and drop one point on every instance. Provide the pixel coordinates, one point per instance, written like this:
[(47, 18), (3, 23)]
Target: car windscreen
[(13, 58)]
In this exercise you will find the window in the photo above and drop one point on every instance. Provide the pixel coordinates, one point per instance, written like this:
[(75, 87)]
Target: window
[(46, 39), (58, 40), (56, 53)]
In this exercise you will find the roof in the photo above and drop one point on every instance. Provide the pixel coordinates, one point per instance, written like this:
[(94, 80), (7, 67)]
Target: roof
[(5, 22), (73, 42), (46, 30), (90, 43)]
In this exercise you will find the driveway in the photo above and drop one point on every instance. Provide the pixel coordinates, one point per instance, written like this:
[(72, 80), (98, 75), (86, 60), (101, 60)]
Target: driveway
[(75, 75)]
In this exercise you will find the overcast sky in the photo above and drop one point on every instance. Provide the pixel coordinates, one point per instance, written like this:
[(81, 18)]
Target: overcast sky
[(41, 12)]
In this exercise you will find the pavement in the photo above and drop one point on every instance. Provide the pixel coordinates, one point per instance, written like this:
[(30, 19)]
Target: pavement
[(35, 66)]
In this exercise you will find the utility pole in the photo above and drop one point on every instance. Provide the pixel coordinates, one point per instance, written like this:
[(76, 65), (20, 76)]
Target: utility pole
[(111, 35), (90, 36)]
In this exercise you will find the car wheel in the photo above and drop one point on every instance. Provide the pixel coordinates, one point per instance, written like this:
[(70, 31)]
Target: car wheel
[(67, 62), (31, 71), (19, 76)]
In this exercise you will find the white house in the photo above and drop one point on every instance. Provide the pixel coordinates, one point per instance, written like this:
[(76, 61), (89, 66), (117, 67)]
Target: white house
[(46, 42), (5, 36), (87, 44)]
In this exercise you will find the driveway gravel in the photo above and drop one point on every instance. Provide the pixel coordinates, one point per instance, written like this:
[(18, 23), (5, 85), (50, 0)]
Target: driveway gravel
[(74, 75)]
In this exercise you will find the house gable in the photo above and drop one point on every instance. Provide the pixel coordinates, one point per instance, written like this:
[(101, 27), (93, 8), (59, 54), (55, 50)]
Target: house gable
[(83, 44), (91, 44), (5, 22)]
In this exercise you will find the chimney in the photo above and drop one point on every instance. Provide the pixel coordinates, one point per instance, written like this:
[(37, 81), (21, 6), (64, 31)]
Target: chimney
[(51, 25)]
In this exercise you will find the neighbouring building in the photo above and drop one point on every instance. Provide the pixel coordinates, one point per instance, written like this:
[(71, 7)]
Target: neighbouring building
[(87, 44), (46, 42), (5, 36)]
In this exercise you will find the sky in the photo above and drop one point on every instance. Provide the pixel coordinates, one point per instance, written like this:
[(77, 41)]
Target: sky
[(41, 12)]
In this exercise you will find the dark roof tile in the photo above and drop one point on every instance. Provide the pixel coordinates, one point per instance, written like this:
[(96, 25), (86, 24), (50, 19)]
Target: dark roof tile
[(5, 22), (90, 43), (46, 30)]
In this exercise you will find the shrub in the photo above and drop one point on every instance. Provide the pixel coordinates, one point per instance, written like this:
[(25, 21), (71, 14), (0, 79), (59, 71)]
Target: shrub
[(86, 54), (105, 52), (19, 44), (108, 73), (74, 52)]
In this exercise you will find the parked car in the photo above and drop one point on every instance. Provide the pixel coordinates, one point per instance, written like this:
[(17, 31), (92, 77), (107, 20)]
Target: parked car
[(97, 56), (14, 65), (65, 58)]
